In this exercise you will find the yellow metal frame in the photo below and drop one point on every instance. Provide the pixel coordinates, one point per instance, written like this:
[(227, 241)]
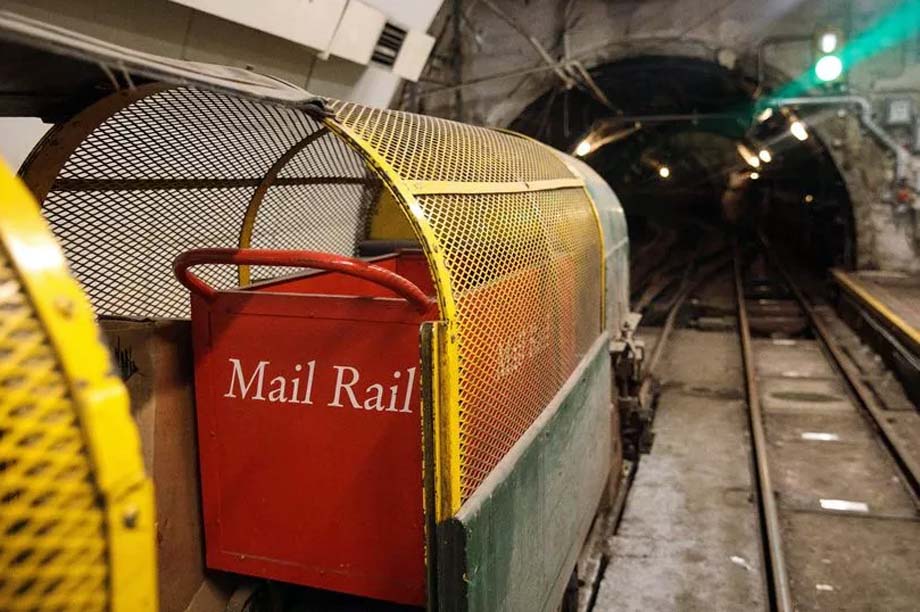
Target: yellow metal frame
[(388, 221), (447, 440), (255, 202), (446, 359), (452, 187), (889, 315), (100, 398)]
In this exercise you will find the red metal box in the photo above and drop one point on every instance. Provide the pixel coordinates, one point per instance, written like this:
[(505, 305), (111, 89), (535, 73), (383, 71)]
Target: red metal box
[(309, 424)]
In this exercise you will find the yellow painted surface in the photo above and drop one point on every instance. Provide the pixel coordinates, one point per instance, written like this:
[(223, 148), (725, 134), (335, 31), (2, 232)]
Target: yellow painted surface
[(77, 509), (389, 221), (852, 285)]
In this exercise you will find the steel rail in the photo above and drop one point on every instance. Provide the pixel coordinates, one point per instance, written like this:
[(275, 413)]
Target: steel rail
[(909, 465), (773, 551), (683, 292), (692, 278)]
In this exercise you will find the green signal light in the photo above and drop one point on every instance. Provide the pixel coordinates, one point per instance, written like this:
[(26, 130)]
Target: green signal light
[(829, 68)]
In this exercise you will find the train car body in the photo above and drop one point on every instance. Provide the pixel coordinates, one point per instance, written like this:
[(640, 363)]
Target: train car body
[(464, 471), (616, 245)]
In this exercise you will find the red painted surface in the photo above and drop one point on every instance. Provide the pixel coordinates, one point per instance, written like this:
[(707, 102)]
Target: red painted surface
[(320, 484)]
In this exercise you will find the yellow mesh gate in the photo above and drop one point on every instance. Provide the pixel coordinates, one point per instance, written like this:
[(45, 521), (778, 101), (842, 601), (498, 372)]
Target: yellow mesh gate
[(76, 515), (45, 479), (515, 245)]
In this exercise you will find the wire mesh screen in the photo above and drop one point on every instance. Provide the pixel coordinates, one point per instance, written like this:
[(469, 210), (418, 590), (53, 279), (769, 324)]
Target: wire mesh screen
[(307, 178), (523, 270), (524, 276), (423, 148), (53, 555), (177, 170)]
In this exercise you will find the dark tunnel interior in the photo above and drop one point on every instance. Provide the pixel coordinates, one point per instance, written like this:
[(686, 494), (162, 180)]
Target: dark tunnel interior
[(682, 144)]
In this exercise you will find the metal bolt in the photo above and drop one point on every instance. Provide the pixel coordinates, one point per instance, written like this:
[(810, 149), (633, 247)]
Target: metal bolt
[(130, 517), (65, 306)]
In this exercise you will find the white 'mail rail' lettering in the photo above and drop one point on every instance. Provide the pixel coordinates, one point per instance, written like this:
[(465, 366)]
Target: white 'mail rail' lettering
[(250, 384), (339, 385), (237, 376)]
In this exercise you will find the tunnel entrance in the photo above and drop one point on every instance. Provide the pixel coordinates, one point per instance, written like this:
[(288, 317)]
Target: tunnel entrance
[(681, 143)]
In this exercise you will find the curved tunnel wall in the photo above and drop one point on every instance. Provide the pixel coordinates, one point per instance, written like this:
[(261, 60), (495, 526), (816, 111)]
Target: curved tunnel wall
[(689, 113)]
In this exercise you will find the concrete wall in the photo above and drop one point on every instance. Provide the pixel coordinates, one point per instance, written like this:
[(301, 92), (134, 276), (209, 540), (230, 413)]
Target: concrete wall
[(170, 29), (597, 31)]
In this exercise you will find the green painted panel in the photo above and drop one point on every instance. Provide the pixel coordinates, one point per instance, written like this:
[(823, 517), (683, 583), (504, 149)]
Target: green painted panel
[(513, 544)]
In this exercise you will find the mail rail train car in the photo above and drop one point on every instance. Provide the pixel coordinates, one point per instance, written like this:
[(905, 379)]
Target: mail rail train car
[(383, 338)]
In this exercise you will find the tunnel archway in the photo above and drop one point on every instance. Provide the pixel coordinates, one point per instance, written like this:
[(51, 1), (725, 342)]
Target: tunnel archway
[(676, 142)]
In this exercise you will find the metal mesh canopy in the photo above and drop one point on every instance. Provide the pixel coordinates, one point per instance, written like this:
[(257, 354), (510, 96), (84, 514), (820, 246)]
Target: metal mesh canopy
[(180, 169), (516, 248), (526, 309), (510, 233), (616, 243)]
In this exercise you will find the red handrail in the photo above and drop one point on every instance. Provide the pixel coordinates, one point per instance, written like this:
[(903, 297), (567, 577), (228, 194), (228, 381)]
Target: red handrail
[(299, 259)]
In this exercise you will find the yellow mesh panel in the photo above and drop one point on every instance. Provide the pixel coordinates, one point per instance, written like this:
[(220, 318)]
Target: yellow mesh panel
[(516, 253), (423, 148), (522, 271), (52, 541)]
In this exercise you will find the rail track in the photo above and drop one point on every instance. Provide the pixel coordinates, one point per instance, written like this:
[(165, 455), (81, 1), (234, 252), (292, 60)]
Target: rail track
[(831, 498), (836, 477)]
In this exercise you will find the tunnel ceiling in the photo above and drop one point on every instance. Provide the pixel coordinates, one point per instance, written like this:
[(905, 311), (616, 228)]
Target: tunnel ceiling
[(689, 115), (681, 112), (641, 87)]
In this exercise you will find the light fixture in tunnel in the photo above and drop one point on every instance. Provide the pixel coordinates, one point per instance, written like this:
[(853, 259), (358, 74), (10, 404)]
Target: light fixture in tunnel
[(583, 148), (755, 176), (765, 114), (765, 156), (748, 156), (797, 128), (809, 198), (664, 172)]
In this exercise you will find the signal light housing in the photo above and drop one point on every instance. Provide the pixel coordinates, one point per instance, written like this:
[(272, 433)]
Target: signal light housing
[(828, 68)]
